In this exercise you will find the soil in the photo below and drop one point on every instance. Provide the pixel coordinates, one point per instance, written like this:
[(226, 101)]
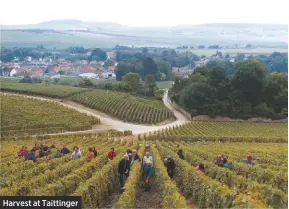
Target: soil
[(148, 199)]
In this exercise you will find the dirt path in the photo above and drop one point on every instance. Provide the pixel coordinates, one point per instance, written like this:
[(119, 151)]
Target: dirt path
[(113, 123), (148, 199)]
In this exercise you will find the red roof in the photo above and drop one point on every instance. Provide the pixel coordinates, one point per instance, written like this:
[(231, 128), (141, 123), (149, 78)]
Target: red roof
[(87, 70), (111, 68)]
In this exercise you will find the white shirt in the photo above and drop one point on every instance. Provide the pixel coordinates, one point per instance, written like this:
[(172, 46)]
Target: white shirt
[(145, 158)]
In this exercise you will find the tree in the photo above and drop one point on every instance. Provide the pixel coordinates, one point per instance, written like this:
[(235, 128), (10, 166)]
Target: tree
[(150, 85), (127, 66), (85, 83), (98, 55), (240, 57), (109, 63), (198, 78), (150, 67), (164, 68), (26, 79), (145, 51), (61, 72), (132, 81), (200, 97), (56, 80), (250, 78), (202, 70), (224, 64), (276, 92)]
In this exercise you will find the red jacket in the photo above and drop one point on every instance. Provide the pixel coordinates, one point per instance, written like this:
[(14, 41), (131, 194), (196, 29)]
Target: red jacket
[(111, 155), (22, 152)]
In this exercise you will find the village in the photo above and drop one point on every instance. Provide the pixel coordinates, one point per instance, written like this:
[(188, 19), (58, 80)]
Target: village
[(54, 68)]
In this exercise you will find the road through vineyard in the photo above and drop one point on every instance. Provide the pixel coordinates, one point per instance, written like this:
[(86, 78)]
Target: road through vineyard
[(113, 123)]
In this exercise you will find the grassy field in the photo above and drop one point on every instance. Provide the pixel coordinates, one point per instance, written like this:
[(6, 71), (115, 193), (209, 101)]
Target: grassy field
[(210, 52)]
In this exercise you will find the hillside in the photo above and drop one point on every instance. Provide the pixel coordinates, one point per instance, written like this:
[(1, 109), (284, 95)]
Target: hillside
[(106, 34)]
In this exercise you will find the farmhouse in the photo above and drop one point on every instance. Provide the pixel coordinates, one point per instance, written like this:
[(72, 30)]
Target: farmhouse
[(89, 75)]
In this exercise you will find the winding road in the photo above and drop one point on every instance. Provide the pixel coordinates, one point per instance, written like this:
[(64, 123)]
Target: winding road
[(108, 122)]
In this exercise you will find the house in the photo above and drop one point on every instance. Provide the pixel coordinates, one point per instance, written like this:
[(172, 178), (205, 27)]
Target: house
[(35, 72), (101, 63), (111, 68), (74, 74), (87, 69), (89, 75), (52, 75), (22, 71), (110, 55), (108, 75), (13, 72)]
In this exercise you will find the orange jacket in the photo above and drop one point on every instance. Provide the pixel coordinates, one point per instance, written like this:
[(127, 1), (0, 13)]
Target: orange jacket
[(89, 156)]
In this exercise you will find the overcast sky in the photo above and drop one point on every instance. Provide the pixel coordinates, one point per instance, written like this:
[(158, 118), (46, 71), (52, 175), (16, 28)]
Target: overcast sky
[(146, 12)]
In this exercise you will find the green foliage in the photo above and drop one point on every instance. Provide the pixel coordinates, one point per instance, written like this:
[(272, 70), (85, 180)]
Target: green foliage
[(210, 91), (276, 62), (197, 78), (28, 79), (150, 85), (250, 78), (109, 63), (85, 83), (132, 81), (98, 55)]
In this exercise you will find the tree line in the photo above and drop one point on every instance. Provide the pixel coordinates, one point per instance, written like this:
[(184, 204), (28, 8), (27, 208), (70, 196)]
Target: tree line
[(249, 91)]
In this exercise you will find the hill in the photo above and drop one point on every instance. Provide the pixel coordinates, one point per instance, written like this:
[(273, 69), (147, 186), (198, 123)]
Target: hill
[(62, 33)]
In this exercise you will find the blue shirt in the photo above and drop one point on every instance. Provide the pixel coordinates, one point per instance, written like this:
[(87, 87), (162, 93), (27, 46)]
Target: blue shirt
[(30, 156), (248, 162)]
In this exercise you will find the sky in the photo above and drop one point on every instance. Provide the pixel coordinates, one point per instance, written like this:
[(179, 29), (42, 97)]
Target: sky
[(145, 12)]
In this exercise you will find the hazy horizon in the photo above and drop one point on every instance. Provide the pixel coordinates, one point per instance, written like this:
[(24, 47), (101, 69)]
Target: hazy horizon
[(147, 13), (118, 23)]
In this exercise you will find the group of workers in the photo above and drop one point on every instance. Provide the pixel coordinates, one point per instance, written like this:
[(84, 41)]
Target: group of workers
[(124, 165), (54, 152)]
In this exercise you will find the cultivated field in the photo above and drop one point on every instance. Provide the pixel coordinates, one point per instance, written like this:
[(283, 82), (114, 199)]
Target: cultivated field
[(226, 131), (125, 107), (261, 186), (119, 105), (22, 116), (54, 91), (210, 52)]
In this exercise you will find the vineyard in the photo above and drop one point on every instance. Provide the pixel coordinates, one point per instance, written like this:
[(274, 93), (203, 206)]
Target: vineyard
[(54, 91), (225, 131), (120, 105), (261, 186), (35, 116), (125, 107)]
